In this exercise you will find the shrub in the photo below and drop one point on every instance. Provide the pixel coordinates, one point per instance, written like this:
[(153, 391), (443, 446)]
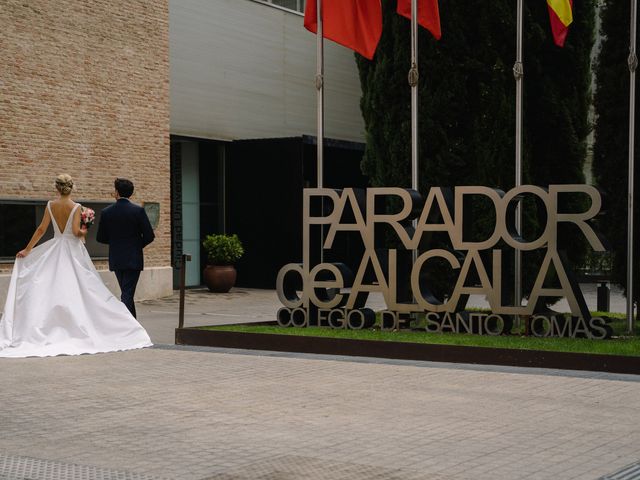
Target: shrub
[(223, 249)]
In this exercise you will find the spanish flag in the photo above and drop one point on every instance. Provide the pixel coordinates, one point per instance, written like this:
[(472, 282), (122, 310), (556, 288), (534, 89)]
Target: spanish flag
[(428, 14), (355, 24), (561, 16)]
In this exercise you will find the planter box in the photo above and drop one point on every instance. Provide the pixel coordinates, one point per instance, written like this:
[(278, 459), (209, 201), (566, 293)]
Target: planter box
[(409, 351)]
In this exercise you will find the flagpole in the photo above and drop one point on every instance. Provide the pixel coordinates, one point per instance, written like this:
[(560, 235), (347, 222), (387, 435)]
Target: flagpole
[(320, 110), (633, 63), (320, 93), (518, 73), (413, 82)]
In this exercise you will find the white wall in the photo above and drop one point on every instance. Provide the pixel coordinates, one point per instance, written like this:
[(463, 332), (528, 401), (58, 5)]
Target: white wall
[(241, 69)]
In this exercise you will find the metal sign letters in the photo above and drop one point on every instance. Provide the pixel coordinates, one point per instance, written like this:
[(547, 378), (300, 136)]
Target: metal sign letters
[(329, 294)]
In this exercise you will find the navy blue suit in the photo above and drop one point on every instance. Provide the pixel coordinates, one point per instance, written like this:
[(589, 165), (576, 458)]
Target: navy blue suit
[(125, 227)]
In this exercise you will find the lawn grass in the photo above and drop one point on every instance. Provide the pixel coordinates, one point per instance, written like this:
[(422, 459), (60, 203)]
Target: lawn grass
[(626, 346)]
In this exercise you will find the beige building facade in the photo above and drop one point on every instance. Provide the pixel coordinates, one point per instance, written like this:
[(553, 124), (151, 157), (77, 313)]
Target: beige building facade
[(84, 90), (193, 100)]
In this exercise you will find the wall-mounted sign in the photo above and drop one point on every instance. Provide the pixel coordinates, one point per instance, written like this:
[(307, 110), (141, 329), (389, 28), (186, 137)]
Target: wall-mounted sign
[(153, 212), (330, 294)]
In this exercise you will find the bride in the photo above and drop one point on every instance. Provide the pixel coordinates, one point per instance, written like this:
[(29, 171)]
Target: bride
[(57, 303)]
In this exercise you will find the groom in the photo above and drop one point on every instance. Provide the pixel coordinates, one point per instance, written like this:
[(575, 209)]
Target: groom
[(126, 228)]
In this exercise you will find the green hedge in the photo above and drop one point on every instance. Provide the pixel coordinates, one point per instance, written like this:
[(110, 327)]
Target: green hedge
[(611, 150)]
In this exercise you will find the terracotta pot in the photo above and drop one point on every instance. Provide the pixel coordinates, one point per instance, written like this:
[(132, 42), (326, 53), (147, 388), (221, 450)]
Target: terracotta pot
[(220, 278)]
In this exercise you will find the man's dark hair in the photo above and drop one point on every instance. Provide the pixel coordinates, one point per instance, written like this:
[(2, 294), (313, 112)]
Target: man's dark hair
[(124, 187)]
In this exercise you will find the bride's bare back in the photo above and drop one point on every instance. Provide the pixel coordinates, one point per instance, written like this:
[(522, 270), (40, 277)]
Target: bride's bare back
[(61, 209)]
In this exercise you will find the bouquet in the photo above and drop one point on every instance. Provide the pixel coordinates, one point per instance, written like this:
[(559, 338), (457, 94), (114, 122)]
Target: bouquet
[(87, 218)]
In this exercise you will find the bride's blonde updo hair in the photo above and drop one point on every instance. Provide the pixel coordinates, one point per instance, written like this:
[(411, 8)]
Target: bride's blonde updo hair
[(64, 183)]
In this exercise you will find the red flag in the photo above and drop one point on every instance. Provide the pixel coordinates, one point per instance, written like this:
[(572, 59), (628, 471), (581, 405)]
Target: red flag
[(428, 14), (356, 24), (560, 16)]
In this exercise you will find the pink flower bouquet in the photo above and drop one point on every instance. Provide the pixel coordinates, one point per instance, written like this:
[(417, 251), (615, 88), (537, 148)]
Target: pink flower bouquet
[(87, 217)]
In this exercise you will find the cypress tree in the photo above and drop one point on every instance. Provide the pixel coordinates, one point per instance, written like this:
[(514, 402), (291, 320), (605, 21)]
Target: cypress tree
[(467, 105), (611, 149), (557, 101)]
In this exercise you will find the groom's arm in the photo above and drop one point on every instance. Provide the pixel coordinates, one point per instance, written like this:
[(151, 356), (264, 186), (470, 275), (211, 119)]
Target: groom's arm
[(102, 235), (145, 227)]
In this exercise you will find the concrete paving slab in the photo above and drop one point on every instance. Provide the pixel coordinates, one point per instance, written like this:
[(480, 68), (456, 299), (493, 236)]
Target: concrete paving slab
[(193, 414), (160, 317)]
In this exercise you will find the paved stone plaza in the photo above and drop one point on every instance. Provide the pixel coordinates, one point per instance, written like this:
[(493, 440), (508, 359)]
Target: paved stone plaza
[(194, 413), (181, 414)]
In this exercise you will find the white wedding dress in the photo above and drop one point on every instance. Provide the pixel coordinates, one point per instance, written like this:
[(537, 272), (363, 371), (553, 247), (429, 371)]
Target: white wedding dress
[(57, 304)]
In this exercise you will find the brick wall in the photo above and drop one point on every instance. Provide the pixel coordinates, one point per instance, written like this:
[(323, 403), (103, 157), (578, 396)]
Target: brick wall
[(84, 90)]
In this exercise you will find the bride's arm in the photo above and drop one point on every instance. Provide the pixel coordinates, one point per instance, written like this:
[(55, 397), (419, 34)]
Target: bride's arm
[(37, 235), (75, 225)]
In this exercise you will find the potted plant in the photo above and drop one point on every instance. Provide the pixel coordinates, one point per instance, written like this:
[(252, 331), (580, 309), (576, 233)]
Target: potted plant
[(222, 252)]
